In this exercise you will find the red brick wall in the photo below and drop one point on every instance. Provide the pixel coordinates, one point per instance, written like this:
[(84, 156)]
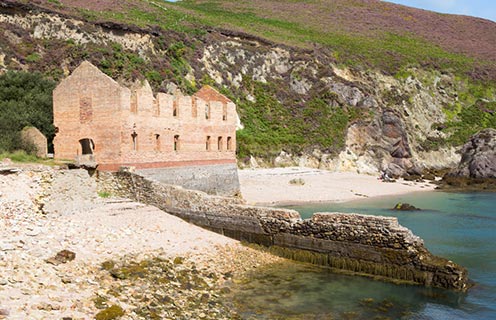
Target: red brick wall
[(89, 104)]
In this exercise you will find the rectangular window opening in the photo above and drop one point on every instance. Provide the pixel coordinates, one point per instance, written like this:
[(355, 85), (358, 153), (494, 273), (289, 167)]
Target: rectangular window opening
[(224, 112), (207, 144), (176, 143), (229, 143), (134, 135)]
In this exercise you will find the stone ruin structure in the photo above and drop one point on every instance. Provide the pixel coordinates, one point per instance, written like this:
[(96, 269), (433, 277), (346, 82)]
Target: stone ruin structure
[(173, 138), (34, 137), (373, 246)]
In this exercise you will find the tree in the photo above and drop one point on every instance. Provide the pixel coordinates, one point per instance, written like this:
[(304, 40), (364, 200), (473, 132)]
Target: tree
[(25, 100)]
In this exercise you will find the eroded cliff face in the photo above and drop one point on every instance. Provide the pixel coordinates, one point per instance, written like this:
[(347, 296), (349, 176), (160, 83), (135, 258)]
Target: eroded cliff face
[(385, 122), (397, 114)]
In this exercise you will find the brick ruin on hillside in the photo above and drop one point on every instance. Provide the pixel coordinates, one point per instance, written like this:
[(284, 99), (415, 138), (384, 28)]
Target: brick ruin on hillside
[(104, 124)]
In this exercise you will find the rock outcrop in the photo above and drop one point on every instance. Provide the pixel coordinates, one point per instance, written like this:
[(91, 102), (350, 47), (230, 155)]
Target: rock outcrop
[(478, 156)]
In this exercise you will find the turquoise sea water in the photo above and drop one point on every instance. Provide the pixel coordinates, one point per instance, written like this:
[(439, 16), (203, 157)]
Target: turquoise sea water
[(458, 226)]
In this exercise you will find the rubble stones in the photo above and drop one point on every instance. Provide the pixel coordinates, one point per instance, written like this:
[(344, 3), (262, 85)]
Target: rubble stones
[(63, 256), (30, 288)]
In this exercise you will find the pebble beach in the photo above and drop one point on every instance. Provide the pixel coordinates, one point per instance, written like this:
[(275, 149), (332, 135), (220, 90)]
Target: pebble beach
[(114, 242)]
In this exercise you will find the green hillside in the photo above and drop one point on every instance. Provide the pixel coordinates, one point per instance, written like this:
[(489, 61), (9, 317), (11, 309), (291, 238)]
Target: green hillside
[(364, 36), (383, 43)]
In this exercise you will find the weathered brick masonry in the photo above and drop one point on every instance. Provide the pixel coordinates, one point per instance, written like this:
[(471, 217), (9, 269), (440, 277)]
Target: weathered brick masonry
[(103, 124)]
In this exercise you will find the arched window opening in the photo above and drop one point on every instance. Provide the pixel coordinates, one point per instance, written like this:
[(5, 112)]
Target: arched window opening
[(207, 143), (176, 143), (134, 135), (224, 112), (219, 144), (175, 108), (157, 142), (87, 146), (229, 143)]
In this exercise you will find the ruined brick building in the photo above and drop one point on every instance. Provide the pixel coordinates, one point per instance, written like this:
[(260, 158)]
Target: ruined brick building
[(177, 139)]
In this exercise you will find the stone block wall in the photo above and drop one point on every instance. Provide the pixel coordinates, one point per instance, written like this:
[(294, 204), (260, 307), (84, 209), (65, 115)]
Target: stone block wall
[(367, 245), (217, 179)]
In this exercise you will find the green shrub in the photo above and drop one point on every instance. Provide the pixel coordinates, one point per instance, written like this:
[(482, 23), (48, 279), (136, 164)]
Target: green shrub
[(25, 100), (471, 120), (271, 126), (104, 194)]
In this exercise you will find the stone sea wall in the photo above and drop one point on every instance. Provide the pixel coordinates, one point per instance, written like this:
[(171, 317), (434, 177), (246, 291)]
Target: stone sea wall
[(366, 245)]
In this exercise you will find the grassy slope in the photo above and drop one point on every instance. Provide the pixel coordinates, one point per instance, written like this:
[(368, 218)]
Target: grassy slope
[(368, 33), (361, 33)]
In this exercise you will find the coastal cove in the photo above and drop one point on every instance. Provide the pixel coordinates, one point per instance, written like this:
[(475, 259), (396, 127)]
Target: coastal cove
[(457, 226)]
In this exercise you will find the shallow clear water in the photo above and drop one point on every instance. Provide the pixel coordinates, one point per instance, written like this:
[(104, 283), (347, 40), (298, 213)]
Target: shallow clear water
[(457, 226)]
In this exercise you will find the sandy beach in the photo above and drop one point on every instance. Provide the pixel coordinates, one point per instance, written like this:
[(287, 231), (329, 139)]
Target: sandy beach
[(272, 186)]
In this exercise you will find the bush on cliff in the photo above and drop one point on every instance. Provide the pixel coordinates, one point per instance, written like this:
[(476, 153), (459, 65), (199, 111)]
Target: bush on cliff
[(25, 100)]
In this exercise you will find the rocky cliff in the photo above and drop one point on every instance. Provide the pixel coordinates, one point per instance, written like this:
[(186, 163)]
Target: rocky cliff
[(390, 120), (298, 105)]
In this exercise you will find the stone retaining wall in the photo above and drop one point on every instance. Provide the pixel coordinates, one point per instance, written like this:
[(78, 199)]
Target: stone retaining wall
[(367, 245), (218, 179)]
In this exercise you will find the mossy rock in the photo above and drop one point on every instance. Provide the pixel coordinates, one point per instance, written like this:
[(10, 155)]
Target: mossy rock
[(132, 271), (113, 312), (108, 265), (405, 207), (456, 183), (178, 260), (100, 302)]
